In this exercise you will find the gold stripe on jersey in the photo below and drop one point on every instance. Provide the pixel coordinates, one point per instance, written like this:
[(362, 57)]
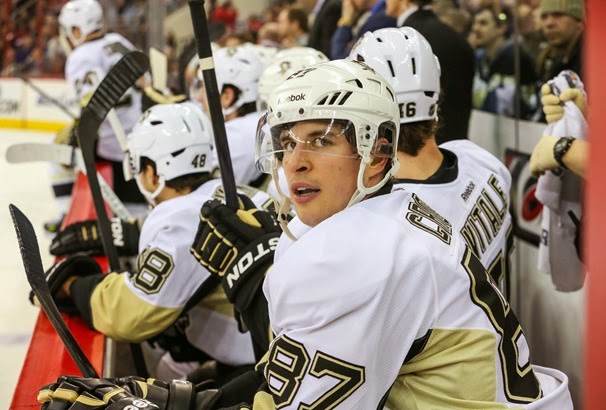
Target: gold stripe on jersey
[(455, 370), (263, 401), (120, 314), (217, 302)]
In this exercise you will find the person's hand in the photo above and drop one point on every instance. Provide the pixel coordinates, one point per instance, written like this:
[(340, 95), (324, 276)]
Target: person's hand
[(553, 106), (62, 274), (67, 135), (236, 245), (349, 14), (542, 158), (85, 236), (127, 393), (71, 392)]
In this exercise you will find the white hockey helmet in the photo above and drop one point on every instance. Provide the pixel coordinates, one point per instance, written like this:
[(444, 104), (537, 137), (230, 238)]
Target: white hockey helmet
[(241, 67), (266, 53), (342, 91), (86, 15), (405, 58), (177, 137), (285, 63)]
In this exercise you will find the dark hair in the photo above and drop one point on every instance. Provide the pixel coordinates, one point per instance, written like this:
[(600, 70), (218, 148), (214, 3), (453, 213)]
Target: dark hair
[(296, 13), (189, 182), (246, 108), (500, 15), (413, 135), (422, 3)]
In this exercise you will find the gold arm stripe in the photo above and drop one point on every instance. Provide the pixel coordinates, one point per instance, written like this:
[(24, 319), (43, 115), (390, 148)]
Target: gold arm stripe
[(120, 314)]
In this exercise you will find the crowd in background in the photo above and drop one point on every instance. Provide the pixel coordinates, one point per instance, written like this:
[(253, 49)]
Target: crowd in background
[(30, 45)]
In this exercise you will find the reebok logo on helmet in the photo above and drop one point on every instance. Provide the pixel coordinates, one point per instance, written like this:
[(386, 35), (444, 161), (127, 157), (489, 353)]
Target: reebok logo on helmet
[(293, 98)]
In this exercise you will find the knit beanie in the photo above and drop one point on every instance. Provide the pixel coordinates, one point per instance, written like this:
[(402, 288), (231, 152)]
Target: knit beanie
[(574, 8)]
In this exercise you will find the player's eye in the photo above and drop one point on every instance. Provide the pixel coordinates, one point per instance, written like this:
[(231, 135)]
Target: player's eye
[(321, 142), (287, 143)]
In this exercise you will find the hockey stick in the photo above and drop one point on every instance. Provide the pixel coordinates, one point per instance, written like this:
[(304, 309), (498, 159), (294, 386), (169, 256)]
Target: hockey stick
[(68, 156), (117, 81), (114, 122), (159, 67), (48, 97), (207, 65), (32, 262)]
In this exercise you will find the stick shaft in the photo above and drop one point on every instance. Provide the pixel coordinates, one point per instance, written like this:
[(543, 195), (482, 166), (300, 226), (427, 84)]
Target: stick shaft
[(198, 16), (48, 97)]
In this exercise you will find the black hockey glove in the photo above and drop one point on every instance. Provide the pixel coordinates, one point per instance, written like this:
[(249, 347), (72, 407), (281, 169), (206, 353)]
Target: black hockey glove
[(85, 236), (74, 265), (118, 393), (236, 245), (71, 392)]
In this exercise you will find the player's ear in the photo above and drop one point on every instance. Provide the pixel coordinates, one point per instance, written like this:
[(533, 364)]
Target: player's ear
[(228, 97), (380, 159), (148, 174)]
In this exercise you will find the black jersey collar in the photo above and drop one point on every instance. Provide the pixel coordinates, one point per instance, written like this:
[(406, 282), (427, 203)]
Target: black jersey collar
[(448, 171)]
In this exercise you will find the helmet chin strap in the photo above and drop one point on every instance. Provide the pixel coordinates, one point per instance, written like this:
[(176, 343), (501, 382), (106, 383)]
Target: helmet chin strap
[(283, 205), (362, 191), (150, 196)]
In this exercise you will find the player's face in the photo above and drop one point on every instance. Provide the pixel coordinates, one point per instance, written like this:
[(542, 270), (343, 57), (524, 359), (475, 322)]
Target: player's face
[(560, 29), (321, 169)]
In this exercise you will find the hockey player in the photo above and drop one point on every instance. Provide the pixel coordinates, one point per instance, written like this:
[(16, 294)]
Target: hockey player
[(169, 157), (91, 52), (475, 182), (379, 303), (238, 70)]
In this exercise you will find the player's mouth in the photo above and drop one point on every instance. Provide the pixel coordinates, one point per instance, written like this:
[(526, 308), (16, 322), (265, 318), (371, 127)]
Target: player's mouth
[(301, 192)]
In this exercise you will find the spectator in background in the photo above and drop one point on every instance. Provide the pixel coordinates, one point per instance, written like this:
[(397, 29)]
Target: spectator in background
[(358, 17), (529, 20), (562, 24), (237, 38), (292, 26), (494, 87), (325, 15), (456, 60), (268, 35), (458, 19), (226, 14)]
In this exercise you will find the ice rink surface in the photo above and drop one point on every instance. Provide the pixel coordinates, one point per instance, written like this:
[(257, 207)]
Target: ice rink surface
[(27, 186)]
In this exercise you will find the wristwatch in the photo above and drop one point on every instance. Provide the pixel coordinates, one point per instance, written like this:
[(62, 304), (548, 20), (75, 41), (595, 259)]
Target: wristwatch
[(560, 148)]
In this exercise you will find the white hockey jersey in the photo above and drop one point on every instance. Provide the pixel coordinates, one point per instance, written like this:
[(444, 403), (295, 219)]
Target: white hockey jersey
[(241, 139), (136, 306), (472, 191), (85, 68), (383, 306)]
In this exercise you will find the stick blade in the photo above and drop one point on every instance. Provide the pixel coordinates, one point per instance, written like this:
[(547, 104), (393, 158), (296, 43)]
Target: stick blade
[(159, 69), (32, 151), (32, 262), (28, 247), (118, 80)]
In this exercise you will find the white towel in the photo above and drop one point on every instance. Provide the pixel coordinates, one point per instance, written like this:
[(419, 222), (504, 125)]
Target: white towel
[(560, 191)]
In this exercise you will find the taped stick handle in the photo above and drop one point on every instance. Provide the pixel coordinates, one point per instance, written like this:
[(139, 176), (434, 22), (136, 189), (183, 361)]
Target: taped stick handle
[(207, 65)]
